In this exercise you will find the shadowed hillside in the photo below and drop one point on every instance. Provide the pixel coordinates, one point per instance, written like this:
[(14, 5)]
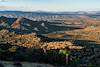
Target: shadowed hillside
[(69, 40), (23, 25)]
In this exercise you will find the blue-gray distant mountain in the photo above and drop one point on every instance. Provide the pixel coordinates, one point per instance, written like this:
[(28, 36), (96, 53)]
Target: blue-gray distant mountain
[(41, 13)]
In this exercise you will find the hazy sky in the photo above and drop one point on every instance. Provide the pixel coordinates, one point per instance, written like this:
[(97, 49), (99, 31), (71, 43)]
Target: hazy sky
[(50, 5)]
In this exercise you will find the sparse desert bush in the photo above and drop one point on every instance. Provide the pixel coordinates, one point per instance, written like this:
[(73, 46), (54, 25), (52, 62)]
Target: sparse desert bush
[(60, 45), (12, 49)]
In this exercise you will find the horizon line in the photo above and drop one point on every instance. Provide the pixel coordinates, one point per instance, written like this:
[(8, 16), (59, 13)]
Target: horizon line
[(53, 11)]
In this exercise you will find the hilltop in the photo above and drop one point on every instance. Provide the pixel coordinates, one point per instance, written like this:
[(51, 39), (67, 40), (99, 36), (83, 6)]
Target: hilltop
[(90, 33)]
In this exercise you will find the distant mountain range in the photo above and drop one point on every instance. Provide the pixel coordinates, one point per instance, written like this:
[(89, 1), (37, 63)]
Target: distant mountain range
[(50, 13), (20, 22)]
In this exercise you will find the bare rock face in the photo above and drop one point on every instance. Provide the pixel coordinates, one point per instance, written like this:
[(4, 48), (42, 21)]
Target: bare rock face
[(17, 23)]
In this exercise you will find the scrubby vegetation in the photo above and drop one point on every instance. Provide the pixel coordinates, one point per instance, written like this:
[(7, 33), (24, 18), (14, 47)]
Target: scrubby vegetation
[(29, 47)]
